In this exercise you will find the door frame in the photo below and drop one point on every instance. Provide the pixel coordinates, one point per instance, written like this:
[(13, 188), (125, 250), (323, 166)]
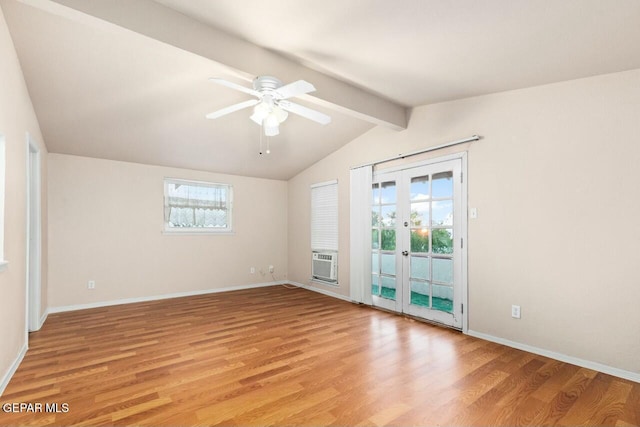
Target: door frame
[(462, 156), (34, 236)]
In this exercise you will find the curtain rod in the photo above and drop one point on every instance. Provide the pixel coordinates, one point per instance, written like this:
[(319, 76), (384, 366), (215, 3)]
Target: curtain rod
[(424, 150)]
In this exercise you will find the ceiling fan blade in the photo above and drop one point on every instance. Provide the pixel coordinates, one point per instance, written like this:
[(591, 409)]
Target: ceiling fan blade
[(235, 86), (299, 87), (305, 112), (232, 108)]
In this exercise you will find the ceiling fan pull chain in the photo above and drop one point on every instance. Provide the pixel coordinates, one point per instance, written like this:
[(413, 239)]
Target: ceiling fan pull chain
[(261, 136)]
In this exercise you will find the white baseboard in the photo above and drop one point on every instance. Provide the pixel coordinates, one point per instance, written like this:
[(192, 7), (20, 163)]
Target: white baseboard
[(321, 291), (65, 308), (43, 318), (41, 321), (616, 372), (12, 369)]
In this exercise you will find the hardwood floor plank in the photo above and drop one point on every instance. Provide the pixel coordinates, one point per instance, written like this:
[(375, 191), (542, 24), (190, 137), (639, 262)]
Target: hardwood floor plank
[(276, 356), (548, 391), (612, 406), (565, 398), (631, 411), (239, 405), (601, 403), (476, 389)]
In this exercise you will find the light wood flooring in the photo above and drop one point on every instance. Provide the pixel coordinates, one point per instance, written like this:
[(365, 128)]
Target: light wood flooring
[(277, 356)]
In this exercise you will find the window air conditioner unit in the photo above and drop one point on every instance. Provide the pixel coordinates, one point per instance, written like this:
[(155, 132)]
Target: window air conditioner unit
[(325, 266)]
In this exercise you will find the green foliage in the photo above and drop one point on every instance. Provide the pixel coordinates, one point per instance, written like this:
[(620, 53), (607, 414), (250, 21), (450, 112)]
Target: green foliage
[(375, 219), (375, 241), (419, 241), (388, 240), (442, 241), (416, 221)]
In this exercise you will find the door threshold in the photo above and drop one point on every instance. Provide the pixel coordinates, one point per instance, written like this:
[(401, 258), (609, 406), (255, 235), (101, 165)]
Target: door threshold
[(417, 318)]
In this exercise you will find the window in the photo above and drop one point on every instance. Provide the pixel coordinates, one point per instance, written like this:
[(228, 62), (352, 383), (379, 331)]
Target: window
[(197, 207), (3, 263), (324, 216)]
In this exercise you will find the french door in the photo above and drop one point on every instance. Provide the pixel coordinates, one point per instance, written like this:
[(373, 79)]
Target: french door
[(417, 241)]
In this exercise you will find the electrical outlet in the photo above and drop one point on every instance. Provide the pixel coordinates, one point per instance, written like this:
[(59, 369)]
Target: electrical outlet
[(271, 269), (91, 284), (252, 270), (515, 311)]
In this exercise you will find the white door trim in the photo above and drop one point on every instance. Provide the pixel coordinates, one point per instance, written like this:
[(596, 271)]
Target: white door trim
[(34, 237)]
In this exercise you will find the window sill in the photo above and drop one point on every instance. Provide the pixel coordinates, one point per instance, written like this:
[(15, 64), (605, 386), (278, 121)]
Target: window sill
[(3, 265), (194, 232)]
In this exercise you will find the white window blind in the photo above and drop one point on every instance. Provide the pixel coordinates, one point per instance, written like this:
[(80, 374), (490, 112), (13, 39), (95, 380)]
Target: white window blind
[(324, 216)]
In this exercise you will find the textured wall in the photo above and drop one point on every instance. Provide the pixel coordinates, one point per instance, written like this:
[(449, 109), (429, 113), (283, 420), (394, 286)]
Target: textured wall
[(557, 232), (107, 225), (17, 118)]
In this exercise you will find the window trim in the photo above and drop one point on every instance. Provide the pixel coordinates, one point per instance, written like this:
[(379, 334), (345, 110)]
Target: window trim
[(181, 231), (3, 169)]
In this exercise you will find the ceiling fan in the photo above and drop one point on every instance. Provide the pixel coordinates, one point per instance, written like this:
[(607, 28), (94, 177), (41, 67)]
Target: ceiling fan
[(272, 106)]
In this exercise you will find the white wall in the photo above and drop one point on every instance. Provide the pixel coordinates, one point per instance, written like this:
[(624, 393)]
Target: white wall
[(17, 117), (554, 181), (107, 221)]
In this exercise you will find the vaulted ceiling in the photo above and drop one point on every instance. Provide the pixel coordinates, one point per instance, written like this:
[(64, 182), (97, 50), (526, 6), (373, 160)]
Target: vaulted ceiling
[(128, 79)]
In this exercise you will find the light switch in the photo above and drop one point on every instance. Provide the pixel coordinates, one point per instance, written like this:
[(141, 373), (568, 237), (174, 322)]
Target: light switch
[(473, 213)]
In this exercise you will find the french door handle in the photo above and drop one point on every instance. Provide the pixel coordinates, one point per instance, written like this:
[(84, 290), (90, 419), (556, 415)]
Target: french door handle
[(405, 253)]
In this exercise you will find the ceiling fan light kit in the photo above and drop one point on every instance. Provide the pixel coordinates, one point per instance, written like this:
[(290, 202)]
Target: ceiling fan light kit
[(272, 106)]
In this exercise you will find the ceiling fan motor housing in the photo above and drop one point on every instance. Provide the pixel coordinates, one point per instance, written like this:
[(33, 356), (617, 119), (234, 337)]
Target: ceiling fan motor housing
[(266, 83)]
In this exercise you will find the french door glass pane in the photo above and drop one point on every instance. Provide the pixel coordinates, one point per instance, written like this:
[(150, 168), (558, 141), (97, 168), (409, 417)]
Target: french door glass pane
[(420, 240), (375, 286), (388, 287), (442, 213), (420, 267), (375, 267), (375, 217), (420, 214), (388, 192), (388, 216), (375, 239), (443, 270), (388, 240), (442, 240), (443, 184), (442, 298), (420, 188), (388, 263), (376, 194), (420, 293)]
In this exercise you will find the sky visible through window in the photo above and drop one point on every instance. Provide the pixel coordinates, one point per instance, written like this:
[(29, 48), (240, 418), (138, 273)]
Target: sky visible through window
[(442, 210)]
